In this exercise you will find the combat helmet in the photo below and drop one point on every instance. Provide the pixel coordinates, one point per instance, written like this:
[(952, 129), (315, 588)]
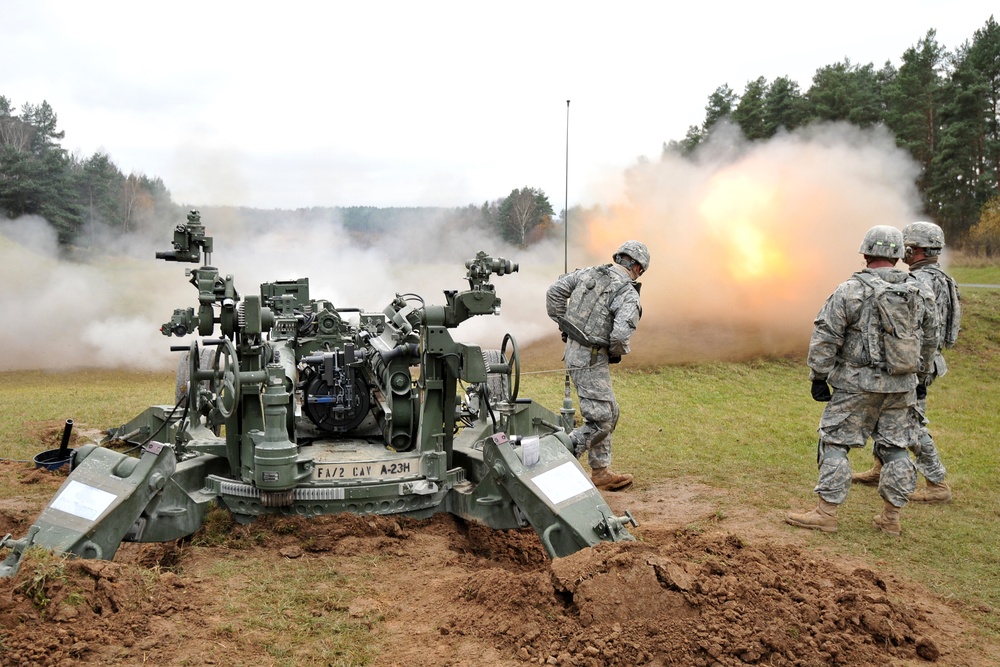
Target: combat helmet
[(925, 235), (883, 241), (637, 251)]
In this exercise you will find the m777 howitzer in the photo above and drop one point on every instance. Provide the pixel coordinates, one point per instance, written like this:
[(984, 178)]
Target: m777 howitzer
[(325, 410)]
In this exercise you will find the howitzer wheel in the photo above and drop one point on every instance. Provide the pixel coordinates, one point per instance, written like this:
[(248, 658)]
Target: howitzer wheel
[(513, 367), (226, 379), (184, 370), (193, 360)]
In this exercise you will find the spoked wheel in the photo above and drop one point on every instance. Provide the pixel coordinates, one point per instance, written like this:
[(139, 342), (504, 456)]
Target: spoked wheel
[(226, 379), (513, 361)]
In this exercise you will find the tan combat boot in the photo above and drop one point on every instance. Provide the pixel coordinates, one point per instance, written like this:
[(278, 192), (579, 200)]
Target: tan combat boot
[(605, 480), (888, 520), (870, 476), (824, 518), (932, 493)]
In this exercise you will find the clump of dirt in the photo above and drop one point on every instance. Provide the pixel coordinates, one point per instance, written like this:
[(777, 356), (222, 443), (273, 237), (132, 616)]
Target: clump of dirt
[(57, 611)]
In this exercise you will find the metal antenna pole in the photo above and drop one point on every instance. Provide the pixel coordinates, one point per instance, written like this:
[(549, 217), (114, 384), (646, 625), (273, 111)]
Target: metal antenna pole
[(566, 200), (567, 414)]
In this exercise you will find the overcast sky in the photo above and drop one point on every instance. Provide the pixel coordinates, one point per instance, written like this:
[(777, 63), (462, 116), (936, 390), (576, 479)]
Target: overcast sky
[(298, 104)]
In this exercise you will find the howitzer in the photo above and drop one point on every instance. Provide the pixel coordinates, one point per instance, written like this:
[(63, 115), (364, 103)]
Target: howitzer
[(287, 404)]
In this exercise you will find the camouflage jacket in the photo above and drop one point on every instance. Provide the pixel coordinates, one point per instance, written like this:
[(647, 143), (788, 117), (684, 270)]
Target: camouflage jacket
[(623, 309), (837, 345)]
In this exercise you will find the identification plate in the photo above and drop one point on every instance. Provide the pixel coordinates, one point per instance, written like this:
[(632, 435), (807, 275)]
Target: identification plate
[(368, 470)]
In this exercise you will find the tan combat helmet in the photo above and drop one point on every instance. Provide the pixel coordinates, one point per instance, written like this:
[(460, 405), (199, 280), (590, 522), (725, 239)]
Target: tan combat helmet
[(882, 241), (637, 251), (924, 235)]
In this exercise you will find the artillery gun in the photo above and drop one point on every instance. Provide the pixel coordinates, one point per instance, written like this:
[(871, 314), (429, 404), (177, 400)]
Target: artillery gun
[(287, 404)]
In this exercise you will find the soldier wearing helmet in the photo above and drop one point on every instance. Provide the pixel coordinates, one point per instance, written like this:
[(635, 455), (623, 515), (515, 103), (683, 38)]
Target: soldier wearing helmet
[(923, 243), (597, 310), (874, 374)]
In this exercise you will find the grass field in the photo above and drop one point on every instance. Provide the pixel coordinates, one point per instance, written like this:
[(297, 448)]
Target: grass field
[(748, 428)]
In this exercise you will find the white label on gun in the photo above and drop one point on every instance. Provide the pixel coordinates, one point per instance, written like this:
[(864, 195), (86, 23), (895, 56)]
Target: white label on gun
[(562, 483), (82, 500)]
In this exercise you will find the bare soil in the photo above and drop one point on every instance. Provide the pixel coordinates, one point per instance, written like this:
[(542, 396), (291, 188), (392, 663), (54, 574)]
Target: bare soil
[(697, 588)]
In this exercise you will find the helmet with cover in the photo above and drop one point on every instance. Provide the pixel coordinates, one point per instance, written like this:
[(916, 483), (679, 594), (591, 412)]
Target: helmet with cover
[(636, 250), (882, 241), (926, 235)]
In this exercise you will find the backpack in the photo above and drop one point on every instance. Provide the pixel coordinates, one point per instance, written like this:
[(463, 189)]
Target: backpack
[(889, 324), (953, 319), (588, 318)]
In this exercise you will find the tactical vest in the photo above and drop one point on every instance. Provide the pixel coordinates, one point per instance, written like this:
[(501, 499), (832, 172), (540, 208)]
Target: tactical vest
[(588, 318)]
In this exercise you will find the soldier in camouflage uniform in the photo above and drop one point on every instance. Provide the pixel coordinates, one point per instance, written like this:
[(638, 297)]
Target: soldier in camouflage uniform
[(867, 399), (597, 310), (923, 243)]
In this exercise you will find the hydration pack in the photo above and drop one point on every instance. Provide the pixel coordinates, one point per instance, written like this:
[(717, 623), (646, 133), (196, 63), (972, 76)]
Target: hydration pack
[(889, 325)]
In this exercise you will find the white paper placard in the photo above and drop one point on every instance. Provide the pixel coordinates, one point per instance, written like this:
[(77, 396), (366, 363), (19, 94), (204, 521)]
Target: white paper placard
[(82, 500), (562, 482)]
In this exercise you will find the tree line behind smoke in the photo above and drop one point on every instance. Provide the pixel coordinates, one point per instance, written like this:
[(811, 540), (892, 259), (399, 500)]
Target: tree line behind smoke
[(84, 198), (942, 106)]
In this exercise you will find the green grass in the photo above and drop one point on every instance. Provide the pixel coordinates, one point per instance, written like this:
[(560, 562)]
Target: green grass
[(300, 611), (980, 275), (94, 399)]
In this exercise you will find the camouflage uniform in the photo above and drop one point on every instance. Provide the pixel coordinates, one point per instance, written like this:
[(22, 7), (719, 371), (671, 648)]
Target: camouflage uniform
[(588, 364), (929, 274), (867, 401)]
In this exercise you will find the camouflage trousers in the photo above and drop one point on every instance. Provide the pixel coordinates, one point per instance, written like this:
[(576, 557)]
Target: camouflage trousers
[(591, 377), (848, 420), (928, 462)]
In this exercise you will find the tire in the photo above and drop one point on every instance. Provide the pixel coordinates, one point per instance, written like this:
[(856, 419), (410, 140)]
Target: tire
[(206, 359), (497, 385)]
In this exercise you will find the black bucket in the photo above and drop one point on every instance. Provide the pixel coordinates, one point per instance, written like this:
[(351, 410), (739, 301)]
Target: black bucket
[(54, 459)]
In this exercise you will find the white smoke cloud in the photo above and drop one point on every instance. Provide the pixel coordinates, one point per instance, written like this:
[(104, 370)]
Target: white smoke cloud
[(104, 308), (747, 240)]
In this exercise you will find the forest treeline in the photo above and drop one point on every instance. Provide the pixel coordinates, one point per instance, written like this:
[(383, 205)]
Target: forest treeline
[(82, 197), (942, 106)]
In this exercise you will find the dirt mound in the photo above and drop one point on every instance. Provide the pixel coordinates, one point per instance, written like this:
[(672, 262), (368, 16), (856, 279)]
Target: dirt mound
[(698, 600), (441, 591), (57, 611)]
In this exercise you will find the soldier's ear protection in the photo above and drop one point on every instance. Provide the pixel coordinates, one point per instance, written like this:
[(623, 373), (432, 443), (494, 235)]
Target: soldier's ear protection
[(629, 263)]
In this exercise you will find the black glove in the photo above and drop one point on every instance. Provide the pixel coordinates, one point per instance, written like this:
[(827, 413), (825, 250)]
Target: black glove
[(614, 359), (921, 392), (821, 391)]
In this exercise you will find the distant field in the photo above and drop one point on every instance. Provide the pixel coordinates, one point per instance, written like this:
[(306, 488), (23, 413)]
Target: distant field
[(986, 275)]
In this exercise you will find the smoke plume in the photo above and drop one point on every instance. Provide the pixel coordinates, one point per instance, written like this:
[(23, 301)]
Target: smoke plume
[(746, 240)]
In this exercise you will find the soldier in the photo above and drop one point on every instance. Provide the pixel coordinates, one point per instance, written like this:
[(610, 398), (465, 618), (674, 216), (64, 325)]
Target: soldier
[(923, 244), (873, 340), (597, 310)]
